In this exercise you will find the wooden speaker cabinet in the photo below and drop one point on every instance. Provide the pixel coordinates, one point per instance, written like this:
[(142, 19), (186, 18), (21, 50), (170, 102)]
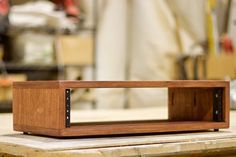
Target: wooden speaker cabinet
[(43, 107)]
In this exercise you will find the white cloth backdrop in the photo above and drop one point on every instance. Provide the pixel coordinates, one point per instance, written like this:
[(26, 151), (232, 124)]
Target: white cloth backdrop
[(137, 41)]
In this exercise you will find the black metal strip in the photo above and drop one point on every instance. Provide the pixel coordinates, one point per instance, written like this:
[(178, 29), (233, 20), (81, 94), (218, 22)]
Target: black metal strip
[(218, 104), (67, 102)]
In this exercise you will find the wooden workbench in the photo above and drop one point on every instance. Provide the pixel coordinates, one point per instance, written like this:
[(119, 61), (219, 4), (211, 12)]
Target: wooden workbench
[(174, 144)]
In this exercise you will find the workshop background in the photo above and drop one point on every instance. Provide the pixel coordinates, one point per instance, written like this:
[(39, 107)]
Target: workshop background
[(116, 40)]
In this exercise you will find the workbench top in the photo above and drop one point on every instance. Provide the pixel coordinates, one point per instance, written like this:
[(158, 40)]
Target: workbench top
[(212, 143)]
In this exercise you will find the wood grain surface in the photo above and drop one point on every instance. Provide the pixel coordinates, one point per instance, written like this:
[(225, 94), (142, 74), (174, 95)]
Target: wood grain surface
[(190, 104), (39, 108), (121, 84)]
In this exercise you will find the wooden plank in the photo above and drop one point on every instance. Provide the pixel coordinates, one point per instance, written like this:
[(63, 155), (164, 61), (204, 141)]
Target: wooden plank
[(152, 145), (36, 84), (123, 84), (142, 84), (138, 127)]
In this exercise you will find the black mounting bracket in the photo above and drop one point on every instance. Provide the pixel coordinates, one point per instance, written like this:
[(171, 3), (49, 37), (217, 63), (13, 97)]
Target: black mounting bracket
[(67, 107), (218, 104)]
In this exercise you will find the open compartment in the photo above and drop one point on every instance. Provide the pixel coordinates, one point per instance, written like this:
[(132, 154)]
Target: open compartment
[(117, 105)]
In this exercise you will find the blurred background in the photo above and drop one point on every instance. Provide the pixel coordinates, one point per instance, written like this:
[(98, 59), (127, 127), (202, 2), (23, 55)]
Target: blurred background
[(116, 40)]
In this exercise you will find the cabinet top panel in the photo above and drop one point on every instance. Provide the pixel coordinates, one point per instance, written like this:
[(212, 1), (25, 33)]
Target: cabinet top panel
[(122, 84)]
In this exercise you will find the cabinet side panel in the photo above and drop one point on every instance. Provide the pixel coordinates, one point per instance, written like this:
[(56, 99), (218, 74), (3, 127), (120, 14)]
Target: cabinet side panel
[(17, 116), (190, 104), (226, 103), (62, 110), (36, 107)]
